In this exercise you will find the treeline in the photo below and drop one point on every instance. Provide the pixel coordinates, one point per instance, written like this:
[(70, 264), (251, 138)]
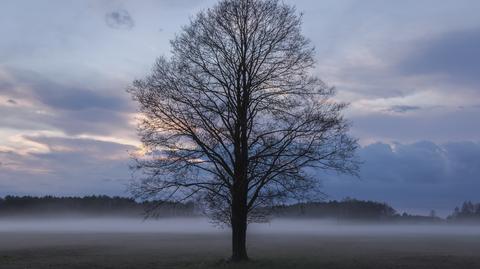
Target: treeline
[(102, 205), (469, 212), (350, 209), (120, 206), (345, 209), (106, 206)]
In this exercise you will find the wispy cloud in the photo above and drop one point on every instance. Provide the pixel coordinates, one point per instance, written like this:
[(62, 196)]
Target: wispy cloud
[(403, 108)]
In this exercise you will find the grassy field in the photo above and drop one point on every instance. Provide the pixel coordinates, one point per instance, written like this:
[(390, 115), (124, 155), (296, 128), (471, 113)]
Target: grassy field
[(276, 248)]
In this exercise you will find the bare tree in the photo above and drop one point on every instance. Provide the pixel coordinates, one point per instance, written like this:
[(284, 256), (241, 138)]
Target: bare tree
[(236, 119)]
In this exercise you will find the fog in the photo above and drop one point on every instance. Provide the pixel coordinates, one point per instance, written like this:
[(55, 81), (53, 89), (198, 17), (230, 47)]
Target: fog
[(336, 228), (110, 225), (201, 225), (123, 243)]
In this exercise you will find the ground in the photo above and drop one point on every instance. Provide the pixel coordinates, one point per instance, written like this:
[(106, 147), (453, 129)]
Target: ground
[(206, 249)]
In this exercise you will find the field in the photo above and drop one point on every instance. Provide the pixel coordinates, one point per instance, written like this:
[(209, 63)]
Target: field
[(194, 244)]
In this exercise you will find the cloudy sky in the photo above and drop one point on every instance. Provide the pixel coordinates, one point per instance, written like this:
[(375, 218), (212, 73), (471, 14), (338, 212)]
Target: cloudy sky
[(410, 69)]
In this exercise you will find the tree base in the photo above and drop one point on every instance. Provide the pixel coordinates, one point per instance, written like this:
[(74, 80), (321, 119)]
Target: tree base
[(236, 259)]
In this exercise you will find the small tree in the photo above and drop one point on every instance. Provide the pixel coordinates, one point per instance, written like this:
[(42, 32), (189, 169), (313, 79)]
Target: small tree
[(235, 119)]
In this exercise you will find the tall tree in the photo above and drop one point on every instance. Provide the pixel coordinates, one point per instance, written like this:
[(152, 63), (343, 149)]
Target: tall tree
[(235, 119)]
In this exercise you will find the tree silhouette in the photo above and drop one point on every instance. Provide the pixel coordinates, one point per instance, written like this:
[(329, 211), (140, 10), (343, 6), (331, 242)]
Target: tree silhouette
[(235, 118), (347, 209), (102, 205), (468, 212), (106, 206)]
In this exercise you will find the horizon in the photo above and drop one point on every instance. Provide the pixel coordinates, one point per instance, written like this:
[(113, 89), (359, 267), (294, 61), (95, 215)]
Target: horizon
[(356, 210), (441, 215)]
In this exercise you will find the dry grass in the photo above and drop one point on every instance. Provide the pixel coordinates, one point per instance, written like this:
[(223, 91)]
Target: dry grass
[(208, 250)]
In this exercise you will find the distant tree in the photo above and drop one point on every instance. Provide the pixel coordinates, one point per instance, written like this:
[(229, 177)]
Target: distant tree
[(468, 209), (350, 209), (468, 212), (433, 214), (235, 118), (88, 205)]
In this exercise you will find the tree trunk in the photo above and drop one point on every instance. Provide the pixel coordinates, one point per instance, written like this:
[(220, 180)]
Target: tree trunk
[(238, 219), (240, 186), (239, 233)]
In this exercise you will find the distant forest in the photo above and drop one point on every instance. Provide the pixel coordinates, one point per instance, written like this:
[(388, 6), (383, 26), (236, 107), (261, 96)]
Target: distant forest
[(95, 206), (106, 206), (350, 209), (468, 212)]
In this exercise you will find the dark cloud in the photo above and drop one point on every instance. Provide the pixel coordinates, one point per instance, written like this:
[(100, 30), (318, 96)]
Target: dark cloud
[(421, 162), (464, 157), (73, 108), (70, 97), (119, 19), (403, 108), (22, 119), (438, 124), (421, 175), (454, 54), (92, 121), (11, 101), (59, 97)]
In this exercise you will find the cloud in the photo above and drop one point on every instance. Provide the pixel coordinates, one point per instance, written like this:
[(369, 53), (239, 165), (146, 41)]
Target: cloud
[(92, 121), (11, 101), (67, 166), (21, 83), (420, 162), (403, 108), (61, 97), (96, 148), (465, 158), (58, 137), (420, 175), (441, 124), (455, 54), (44, 104), (119, 19)]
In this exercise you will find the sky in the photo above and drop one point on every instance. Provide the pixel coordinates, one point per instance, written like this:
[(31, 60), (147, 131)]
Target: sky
[(409, 69)]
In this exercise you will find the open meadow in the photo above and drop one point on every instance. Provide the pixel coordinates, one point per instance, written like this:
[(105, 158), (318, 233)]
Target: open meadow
[(193, 243)]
